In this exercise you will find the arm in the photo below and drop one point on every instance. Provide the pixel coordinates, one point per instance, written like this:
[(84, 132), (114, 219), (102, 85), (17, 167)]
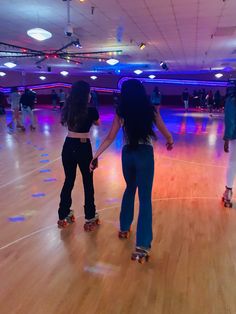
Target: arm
[(163, 129), (109, 138)]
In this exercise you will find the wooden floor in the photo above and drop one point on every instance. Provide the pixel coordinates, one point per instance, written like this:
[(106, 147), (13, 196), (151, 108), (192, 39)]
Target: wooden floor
[(44, 270)]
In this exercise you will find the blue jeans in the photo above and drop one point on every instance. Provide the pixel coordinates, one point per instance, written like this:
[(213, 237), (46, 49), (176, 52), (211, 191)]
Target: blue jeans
[(138, 170)]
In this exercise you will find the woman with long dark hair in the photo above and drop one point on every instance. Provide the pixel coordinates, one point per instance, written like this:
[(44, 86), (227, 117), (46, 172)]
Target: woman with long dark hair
[(77, 151), (137, 118)]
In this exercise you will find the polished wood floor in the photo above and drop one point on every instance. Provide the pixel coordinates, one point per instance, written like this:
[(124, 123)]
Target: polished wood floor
[(44, 270)]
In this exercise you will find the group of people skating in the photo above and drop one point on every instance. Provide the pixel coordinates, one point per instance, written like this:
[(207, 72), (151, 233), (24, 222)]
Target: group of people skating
[(137, 115), (137, 118), (25, 103)]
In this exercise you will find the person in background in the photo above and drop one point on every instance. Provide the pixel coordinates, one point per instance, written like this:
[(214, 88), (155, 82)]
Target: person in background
[(156, 97), (185, 98), (137, 117), (2, 103), (62, 98), (210, 101), (217, 100), (230, 143), (27, 101), (54, 98), (94, 98), (14, 100), (77, 151)]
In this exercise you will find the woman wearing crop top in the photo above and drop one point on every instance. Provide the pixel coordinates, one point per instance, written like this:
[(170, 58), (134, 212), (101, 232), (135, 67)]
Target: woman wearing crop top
[(137, 117), (77, 151)]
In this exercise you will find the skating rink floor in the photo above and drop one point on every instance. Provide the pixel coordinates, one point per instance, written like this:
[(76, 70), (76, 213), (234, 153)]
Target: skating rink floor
[(44, 270)]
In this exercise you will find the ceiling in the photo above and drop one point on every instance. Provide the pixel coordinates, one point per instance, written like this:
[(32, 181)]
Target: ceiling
[(189, 35)]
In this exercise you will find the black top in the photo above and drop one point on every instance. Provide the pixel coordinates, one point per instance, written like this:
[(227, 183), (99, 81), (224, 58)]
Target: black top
[(28, 99), (92, 116)]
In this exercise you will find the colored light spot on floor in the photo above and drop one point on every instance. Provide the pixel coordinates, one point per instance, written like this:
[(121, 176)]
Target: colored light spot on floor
[(102, 269), (38, 195), (16, 218), (44, 155), (41, 148), (112, 200), (44, 170), (44, 161), (50, 180)]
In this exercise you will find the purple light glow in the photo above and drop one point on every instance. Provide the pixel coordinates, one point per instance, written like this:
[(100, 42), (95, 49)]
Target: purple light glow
[(175, 82)]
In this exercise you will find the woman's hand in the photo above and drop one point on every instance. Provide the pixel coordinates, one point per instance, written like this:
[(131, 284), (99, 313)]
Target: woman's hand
[(93, 164), (226, 146), (169, 143)]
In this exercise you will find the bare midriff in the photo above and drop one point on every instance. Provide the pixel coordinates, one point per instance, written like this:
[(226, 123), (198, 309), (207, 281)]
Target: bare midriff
[(78, 135)]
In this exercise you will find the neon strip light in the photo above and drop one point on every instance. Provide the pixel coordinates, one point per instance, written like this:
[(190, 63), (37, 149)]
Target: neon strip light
[(174, 82), (7, 90)]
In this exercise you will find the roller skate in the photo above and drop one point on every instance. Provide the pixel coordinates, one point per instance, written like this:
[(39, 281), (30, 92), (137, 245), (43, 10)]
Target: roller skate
[(141, 255), (32, 128), (124, 234), (227, 197), (92, 224), (21, 127), (63, 223)]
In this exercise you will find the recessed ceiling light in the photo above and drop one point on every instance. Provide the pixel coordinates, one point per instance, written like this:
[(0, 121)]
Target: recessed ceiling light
[(39, 34), (10, 64), (112, 61), (142, 46), (93, 77), (218, 75), (64, 73), (42, 78), (2, 73), (152, 76), (138, 72)]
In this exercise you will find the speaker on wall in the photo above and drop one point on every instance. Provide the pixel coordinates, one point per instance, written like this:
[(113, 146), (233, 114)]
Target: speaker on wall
[(49, 69)]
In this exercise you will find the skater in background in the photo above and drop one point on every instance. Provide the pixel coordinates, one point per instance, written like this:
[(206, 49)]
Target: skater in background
[(2, 103), (27, 101), (62, 98), (94, 98), (54, 98), (137, 118), (230, 143), (185, 98), (77, 151), (156, 97), (14, 100), (217, 100), (210, 101)]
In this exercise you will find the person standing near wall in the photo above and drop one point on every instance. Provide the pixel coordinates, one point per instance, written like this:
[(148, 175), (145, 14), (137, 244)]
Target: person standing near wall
[(62, 98), (27, 101), (54, 98), (185, 98), (14, 100), (156, 97)]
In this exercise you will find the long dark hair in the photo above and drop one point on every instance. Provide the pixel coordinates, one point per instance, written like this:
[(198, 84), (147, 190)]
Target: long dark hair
[(75, 111), (137, 113)]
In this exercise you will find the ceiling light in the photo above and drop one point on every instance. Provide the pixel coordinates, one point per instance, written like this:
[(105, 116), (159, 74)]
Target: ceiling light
[(10, 64), (142, 46), (138, 72), (112, 61), (42, 78), (152, 76), (93, 77), (2, 73), (218, 75), (164, 65), (64, 73), (39, 34), (77, 44)]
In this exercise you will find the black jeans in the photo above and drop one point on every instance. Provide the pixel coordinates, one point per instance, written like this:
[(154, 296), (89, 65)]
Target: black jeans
[(75, 153)]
